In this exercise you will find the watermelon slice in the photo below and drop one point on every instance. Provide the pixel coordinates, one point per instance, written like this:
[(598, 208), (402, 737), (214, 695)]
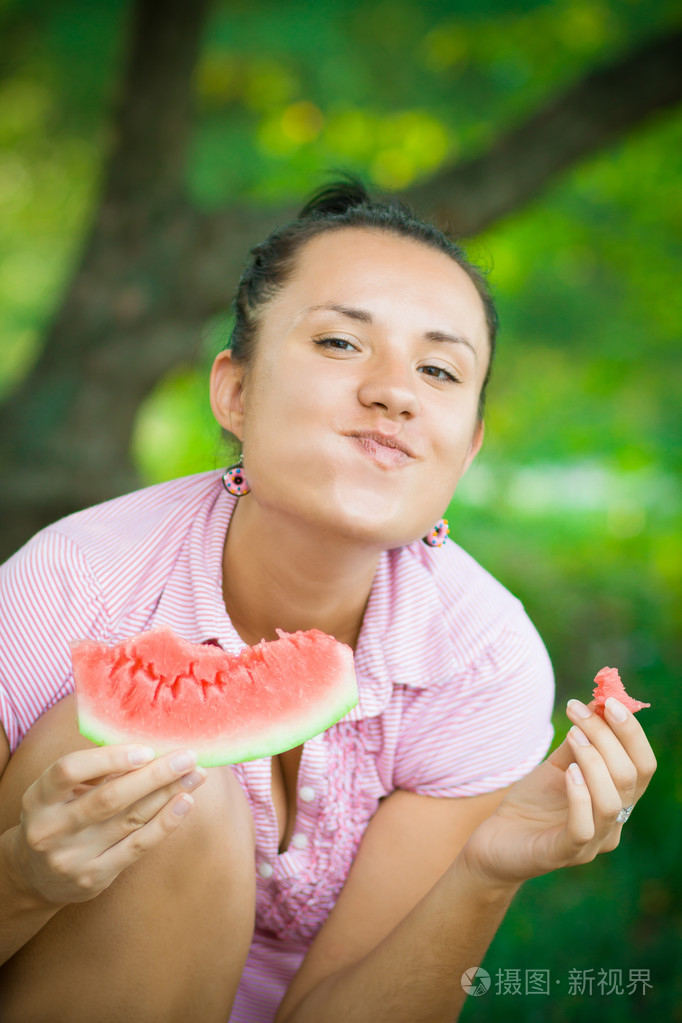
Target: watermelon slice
[(609, 684), (158, 689)]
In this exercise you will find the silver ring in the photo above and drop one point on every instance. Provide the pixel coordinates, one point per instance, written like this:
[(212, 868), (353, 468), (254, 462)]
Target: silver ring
[(624, 814)]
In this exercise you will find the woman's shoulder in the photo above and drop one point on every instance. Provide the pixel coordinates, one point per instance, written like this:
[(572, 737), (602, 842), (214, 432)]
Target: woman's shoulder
[(470, 610), (459, 580), (112, 530), (128, 542), (130, 516)]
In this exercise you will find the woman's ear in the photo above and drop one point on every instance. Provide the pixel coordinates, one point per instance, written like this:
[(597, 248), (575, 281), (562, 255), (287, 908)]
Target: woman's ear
[(227, 393), (476, 443)]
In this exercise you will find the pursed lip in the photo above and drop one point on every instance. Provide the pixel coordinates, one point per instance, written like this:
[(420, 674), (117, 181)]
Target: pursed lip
[(384, 439)]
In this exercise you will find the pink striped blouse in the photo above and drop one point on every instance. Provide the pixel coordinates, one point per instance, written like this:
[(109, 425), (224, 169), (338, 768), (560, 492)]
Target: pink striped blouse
[(456, 688)]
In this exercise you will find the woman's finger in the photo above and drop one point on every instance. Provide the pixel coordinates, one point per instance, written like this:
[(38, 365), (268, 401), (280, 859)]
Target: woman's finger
[(112, 798), (633, 739), (59, 779), (79, 878), (119, 856), (621, 740), (580, 828), (138, 815), (607, 800), (620, 767)]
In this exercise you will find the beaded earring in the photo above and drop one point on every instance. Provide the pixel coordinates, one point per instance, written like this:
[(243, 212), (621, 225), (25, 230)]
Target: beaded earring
[(436, 538), (234, 480)]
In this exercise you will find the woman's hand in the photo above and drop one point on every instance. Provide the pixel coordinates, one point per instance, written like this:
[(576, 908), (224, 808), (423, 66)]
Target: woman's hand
[(93, 812), (565, 811)]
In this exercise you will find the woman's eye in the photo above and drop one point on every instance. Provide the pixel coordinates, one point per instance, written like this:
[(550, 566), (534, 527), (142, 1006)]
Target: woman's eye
[(335, 342), (438, 373)]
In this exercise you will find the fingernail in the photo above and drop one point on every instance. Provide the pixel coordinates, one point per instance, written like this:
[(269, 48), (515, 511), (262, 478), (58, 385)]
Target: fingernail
[(141, 756), (183, 761), (183, 806), (616, 709), (579, 709), (576, 774), (579, 736), (190, 781)]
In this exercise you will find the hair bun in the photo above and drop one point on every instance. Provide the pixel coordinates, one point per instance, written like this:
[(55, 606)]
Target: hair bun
[(336, 197)]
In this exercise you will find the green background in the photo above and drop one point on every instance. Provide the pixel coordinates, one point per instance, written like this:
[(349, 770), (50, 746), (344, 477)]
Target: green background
[(574, 502)]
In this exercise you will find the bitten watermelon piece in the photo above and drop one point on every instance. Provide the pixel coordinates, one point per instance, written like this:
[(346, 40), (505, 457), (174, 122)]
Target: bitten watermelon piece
[(158, 689), (609, 684)]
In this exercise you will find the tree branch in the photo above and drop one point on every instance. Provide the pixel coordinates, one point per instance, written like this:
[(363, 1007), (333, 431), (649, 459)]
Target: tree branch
[(475, 193), (590, 115)]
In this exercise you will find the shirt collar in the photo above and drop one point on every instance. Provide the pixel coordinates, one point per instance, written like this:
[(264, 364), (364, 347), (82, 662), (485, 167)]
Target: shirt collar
[(404, 640)]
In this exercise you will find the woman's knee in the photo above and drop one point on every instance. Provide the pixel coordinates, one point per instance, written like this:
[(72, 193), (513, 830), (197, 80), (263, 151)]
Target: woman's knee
[(168, 925)]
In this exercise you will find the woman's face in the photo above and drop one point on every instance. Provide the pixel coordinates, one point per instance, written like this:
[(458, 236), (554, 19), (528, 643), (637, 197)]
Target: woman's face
[(359, 412)]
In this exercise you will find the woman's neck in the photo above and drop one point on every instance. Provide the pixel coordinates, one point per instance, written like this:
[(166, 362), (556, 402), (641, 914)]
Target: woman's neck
[(278, 573)]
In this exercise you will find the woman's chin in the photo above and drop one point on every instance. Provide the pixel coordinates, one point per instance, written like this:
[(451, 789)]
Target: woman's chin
[(378, 532), (346, 515)]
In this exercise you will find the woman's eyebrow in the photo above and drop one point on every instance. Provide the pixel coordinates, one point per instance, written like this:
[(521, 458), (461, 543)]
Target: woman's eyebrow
[(366, 317), (353, 314), (456, 339)]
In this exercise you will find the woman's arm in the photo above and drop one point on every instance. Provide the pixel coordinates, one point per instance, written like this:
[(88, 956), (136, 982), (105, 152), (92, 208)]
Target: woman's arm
[(408, 922), (367, 965), (24, 912)]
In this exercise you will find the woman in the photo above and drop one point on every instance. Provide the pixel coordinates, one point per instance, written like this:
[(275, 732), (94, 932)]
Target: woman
[(358, 876)]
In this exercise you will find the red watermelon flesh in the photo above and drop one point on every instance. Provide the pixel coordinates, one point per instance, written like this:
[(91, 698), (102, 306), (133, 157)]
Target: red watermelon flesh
[(158, 689), (609, 684)]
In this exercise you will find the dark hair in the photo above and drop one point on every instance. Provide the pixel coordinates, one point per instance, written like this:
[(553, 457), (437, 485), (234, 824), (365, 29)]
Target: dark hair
[(334, 206)]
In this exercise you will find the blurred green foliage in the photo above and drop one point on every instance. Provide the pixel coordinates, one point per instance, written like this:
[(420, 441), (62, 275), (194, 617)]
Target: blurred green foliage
[(575, 500)]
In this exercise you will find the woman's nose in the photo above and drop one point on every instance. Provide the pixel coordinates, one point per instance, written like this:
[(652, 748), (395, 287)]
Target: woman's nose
[(388, 384)]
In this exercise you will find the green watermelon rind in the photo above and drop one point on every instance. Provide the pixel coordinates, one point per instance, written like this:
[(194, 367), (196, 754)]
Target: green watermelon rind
[(105, 735)]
